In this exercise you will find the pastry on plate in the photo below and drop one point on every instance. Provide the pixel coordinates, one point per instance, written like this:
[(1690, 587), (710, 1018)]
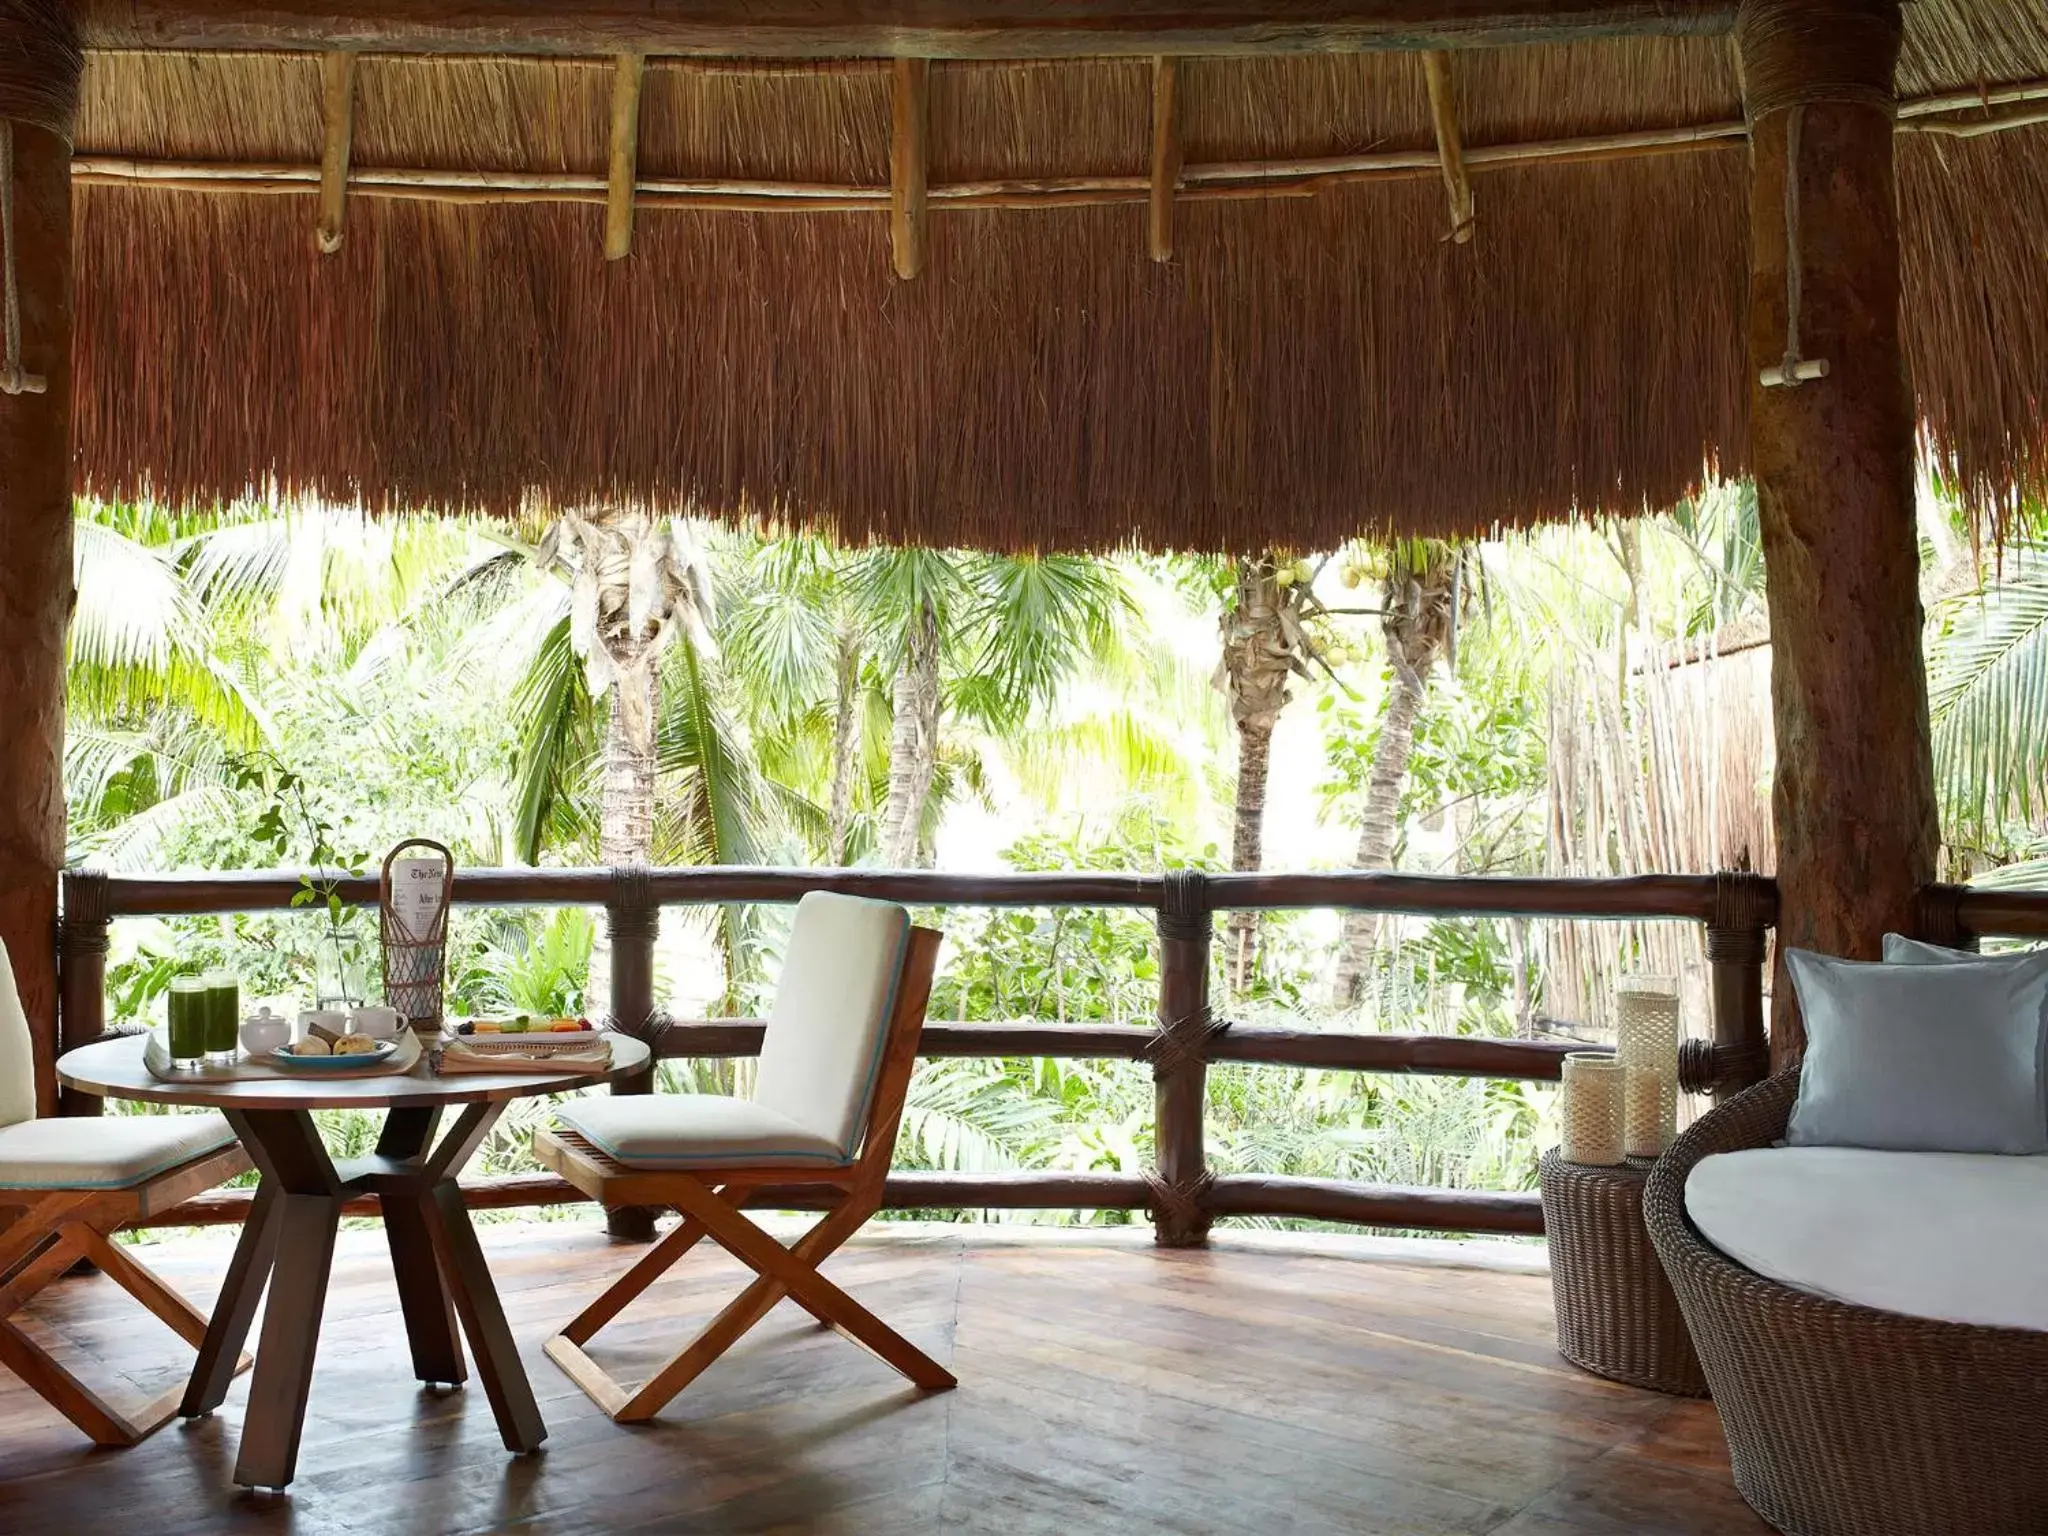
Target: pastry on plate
[(355, 1045)]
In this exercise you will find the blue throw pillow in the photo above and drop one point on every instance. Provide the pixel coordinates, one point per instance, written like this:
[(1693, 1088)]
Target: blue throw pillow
[(1922, 1057)]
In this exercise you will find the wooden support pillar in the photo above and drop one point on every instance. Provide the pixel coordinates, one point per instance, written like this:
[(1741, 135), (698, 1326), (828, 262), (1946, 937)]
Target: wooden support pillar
[(909, 118), (1180, 1068), (1833, 459), (39, 67), (632, 922)]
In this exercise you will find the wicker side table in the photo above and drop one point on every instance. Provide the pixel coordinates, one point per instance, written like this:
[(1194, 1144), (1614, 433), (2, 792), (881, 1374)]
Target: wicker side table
[(1616, 1314)]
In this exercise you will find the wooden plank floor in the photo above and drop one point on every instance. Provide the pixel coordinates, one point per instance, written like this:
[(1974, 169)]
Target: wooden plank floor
[(1105, 1387)]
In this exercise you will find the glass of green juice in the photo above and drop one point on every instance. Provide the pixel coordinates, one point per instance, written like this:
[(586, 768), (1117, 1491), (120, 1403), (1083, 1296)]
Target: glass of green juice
[(223, 1009), (187, 1005)]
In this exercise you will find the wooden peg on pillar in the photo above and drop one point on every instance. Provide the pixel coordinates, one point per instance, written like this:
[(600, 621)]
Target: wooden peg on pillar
[(1853, 800)]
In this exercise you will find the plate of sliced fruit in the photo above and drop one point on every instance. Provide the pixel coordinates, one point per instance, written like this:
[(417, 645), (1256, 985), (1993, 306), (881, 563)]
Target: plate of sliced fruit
[(523, 1031)]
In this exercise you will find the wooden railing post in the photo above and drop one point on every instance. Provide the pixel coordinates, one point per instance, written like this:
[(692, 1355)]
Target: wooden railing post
[(632, 922), (1739, 1053), (82, 938), (1179, 1055)]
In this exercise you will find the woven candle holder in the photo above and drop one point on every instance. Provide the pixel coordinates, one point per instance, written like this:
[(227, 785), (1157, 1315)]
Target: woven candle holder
[(1592, 1112), (1646, 1035)]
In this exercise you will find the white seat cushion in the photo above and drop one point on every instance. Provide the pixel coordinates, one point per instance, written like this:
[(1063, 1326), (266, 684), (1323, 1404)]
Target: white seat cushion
[(107, 1152), (1960, 1237), (696, 1130), (826, 1033)]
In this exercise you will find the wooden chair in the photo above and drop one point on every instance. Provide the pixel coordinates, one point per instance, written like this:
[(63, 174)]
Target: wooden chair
[(69, 1185), (835, 1066)]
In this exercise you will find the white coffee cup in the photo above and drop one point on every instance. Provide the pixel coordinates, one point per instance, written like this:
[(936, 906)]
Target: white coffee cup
[(333, 1020), (374, 1020)]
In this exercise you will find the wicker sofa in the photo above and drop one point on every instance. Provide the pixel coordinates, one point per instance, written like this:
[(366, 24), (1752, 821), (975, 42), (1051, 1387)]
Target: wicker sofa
[(1844, 1420)]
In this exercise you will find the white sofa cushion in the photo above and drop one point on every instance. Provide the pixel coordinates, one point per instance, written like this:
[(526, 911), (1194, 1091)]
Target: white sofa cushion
[(696, 1130), (104, 1152), (1961, 1237), (823, 1048)]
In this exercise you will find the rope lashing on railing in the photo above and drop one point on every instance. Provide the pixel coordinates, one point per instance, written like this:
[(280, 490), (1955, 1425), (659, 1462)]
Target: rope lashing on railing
[(1179, 1207), (39, 68), (1183, 1043), (1801, 53)]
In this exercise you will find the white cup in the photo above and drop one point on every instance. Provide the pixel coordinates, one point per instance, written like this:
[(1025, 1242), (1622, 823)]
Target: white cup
[(333, 1020), (379, 1023)]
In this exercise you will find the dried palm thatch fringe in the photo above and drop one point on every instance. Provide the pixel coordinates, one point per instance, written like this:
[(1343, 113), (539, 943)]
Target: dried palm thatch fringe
[(1302, 370)]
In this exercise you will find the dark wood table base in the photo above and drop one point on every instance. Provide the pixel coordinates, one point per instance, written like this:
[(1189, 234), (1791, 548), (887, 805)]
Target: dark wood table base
[(288, 1242)]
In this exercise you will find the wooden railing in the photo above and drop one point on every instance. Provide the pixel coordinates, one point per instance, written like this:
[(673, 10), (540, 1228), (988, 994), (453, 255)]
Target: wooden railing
[(1180, 1191)]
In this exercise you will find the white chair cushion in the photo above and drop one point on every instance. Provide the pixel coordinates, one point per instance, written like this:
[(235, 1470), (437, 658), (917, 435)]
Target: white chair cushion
[(17, 1052), (696, 1130), (825, 1036), (1960, 1237), (107, 1152)]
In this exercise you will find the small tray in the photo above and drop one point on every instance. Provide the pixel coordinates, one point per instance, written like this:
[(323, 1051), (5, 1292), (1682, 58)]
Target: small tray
[(402, 1057)]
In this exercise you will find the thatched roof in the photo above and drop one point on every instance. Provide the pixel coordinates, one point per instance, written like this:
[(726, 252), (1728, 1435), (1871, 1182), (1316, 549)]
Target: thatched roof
[(1305, 367)]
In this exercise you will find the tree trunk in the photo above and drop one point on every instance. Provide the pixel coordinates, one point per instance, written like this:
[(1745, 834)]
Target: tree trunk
[(1247, 842), (625, 825), (1419, 615), (913, 744), (1261, 637), (36, 581), (1380, 829), (1853, 800), (845, 742), (626, 796)]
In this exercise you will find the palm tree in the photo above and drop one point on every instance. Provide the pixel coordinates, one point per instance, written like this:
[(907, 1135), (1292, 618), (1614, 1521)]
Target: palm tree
[(1418, 621), (986, 638), (1265, 646), (157, 711)]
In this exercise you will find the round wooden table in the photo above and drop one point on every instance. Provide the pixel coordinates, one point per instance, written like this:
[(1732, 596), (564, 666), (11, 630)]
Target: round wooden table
[(288, 1239)]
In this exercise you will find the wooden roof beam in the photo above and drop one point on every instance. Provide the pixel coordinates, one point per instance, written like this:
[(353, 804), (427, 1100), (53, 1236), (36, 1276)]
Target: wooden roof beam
[(1450, 144), (909, 166), (938, 29), (623, 169), (1166, 160), (338, 106)]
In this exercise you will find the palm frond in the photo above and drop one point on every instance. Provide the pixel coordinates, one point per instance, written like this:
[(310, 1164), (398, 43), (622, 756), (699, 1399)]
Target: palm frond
[(1988, 699)]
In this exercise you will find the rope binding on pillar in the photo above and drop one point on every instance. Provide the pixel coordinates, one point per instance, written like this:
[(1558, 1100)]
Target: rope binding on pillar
[(1802, 53), (1794, 368)]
